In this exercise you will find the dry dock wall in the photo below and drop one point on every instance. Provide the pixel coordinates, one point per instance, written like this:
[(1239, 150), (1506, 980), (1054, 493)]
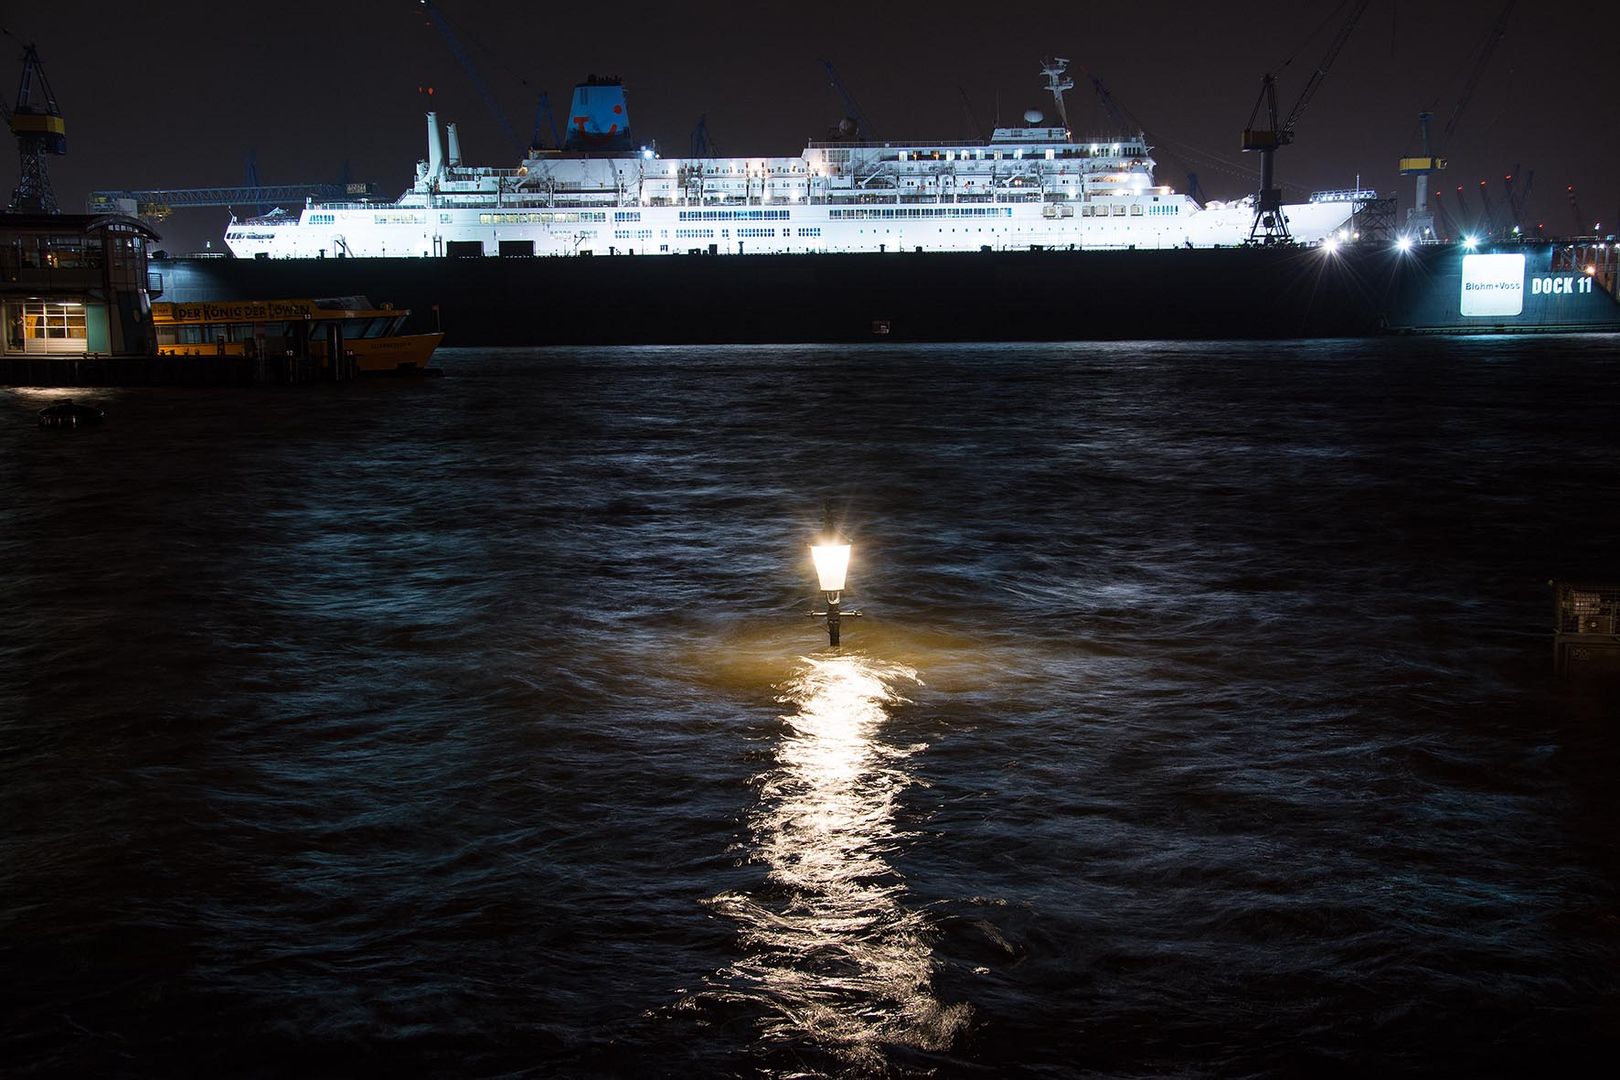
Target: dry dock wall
[(905, 296)]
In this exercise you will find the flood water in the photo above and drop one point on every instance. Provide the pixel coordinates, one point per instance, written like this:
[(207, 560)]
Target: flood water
[(1201, 719)]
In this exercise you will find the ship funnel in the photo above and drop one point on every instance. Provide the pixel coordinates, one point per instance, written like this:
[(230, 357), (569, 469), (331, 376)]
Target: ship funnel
[(455, 145), (435, 149), (598, 118)]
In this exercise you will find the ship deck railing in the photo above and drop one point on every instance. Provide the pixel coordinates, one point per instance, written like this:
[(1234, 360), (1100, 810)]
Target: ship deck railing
[(844, 197), (1345, 195), (860, 144)]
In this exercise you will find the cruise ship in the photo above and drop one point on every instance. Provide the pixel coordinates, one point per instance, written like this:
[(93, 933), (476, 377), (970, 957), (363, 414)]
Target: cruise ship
[(1030, 188)]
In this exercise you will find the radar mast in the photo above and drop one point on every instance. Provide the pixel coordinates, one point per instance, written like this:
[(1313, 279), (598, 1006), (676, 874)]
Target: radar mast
[(1056, 82)]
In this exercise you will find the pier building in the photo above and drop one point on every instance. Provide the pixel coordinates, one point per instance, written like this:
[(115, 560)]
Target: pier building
[(74, 288)]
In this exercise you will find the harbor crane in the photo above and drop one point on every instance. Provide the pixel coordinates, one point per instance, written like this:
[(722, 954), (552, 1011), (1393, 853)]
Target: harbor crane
[(863, 129), (1575, 208), (703, 146), (1270, 225), (37, 122), (1419, 219)]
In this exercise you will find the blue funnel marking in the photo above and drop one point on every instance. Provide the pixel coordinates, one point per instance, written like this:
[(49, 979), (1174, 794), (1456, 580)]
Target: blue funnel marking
[(598, 118)]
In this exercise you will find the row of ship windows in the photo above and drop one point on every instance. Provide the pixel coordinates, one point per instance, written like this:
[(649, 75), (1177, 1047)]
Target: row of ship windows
[(1017, 155), (734, 215), (922, 212), (561, 218), (708, 234)]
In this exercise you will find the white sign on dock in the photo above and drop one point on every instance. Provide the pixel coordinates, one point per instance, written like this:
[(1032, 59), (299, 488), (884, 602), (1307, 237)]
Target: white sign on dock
[(1492, 285)]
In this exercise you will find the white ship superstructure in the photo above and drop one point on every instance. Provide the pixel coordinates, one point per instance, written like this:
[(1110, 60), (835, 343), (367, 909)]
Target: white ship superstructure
[(1027, 188)]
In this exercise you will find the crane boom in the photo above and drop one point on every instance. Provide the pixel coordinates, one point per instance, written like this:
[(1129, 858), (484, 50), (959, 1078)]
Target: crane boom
[(863, 129), (974, 131), (543, 114), (442, 24), (1492, 37), (1319, 76), (1488, 215), (1445, 218)]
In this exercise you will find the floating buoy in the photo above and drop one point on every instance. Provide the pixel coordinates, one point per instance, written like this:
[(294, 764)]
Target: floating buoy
[(70, 414)]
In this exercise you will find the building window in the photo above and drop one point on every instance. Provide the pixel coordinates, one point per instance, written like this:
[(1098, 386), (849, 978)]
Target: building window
[(37, 326)]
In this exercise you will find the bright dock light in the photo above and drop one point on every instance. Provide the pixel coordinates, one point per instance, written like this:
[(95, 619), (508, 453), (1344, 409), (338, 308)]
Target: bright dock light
[(1470, 243), (1404, 243), (831, 555), (832, 564)]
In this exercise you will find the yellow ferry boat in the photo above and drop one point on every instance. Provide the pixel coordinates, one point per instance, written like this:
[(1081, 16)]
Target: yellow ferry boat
[(363, 338)]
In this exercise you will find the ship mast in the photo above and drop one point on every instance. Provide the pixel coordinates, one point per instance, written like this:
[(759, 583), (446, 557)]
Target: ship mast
[(1057, 83)]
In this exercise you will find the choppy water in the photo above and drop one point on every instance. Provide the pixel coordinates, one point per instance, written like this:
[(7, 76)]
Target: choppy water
[(1201, 721)]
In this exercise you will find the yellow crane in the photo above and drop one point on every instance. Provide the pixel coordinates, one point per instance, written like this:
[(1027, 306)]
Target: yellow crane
[(40, 130)]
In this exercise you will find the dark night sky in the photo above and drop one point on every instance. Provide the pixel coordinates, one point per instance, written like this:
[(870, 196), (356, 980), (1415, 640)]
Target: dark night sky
[(176, 94)]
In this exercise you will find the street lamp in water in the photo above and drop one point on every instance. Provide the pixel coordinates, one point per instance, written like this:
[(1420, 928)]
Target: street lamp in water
[(832, 564)]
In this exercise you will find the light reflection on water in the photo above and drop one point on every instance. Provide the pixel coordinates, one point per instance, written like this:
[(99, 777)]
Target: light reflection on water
[(833, 957)]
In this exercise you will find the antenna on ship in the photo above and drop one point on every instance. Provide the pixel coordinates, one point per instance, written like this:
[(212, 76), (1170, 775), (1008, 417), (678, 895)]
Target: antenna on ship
[(1056, 82)]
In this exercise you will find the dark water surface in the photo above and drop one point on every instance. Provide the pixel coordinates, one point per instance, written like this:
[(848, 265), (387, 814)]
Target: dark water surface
[(1201, 722)]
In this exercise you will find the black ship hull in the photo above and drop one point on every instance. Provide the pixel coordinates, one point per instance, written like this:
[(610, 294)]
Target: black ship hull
[(914, 296)]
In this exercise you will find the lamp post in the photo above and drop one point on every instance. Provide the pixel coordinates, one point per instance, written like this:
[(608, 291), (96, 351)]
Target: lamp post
[(832, 563)]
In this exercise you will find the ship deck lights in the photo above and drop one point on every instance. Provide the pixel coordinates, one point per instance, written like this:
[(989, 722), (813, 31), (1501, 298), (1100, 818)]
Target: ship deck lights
[(831, 555), (1404, 243)]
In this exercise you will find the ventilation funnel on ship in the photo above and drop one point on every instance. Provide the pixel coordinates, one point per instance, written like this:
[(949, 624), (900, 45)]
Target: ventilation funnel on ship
[(435, 147), (598, 118)]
